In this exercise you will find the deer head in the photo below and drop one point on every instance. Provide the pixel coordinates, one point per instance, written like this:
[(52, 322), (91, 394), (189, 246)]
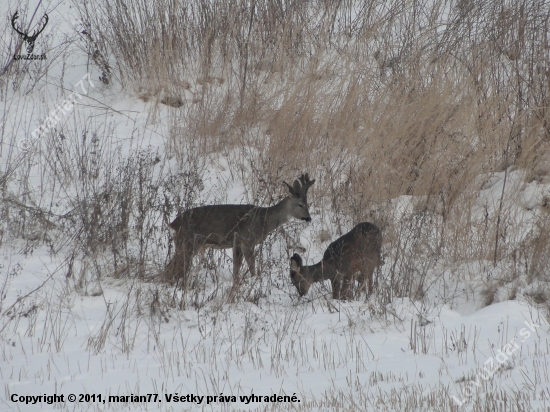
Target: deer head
[(29, 39), (298, 207), (299, 279)]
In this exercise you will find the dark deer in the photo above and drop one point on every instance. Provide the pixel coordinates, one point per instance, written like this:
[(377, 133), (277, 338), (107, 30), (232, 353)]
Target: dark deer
[(240, 227), (29, 40), (358, 251)]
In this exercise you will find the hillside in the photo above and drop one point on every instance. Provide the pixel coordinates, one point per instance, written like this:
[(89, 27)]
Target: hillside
[(428, 119)]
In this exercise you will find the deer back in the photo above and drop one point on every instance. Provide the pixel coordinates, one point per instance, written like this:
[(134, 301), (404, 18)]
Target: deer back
[(364, 241), (213, 224)]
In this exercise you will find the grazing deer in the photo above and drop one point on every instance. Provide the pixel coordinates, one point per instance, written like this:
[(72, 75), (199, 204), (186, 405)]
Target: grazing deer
[(240, 227), (356, 251)]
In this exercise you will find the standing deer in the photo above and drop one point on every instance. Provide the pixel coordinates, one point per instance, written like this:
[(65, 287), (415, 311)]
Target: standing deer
[(356, 251), (240, 227)]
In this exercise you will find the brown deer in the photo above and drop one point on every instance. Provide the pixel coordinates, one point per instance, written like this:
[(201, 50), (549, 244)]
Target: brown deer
[(356, 251), (240, 227)]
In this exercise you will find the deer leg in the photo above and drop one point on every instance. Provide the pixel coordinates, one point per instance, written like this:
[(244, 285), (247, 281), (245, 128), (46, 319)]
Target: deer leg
[(186, 258), (371, 284), (347, 273), (362, 279), (237, 263), (242, 247), (178, 267), (365, 278), (172, 269), (237, 258), (336, 286), (249, 256), (169, 271), (348, 285), (367, 271)]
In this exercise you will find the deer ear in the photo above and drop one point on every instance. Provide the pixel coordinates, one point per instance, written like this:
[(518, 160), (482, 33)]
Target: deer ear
[(295, 262), (297, 188), (290, 189)]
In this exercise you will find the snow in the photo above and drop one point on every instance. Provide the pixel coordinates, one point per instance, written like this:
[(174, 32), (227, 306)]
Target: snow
[(81, 334)]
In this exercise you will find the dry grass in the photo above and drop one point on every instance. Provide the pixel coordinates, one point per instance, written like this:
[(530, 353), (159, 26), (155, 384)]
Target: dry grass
[(375, 101), (383, 103), (423, 105)]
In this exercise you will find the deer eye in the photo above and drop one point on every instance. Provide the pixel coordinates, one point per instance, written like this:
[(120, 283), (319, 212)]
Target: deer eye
[(301, 205)]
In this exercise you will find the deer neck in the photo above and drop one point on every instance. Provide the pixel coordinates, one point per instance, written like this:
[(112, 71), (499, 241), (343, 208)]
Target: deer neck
[(318, 272), (277, 215)]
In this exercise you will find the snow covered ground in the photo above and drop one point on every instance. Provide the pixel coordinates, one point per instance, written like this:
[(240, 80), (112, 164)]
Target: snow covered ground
[(328, 354), (118, 343)]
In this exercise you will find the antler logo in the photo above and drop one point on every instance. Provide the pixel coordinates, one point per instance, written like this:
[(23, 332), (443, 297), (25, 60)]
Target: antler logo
[(29, 39)]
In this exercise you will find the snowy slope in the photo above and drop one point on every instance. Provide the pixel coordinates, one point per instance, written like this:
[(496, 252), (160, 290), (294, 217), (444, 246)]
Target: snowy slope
[(67, 327)]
